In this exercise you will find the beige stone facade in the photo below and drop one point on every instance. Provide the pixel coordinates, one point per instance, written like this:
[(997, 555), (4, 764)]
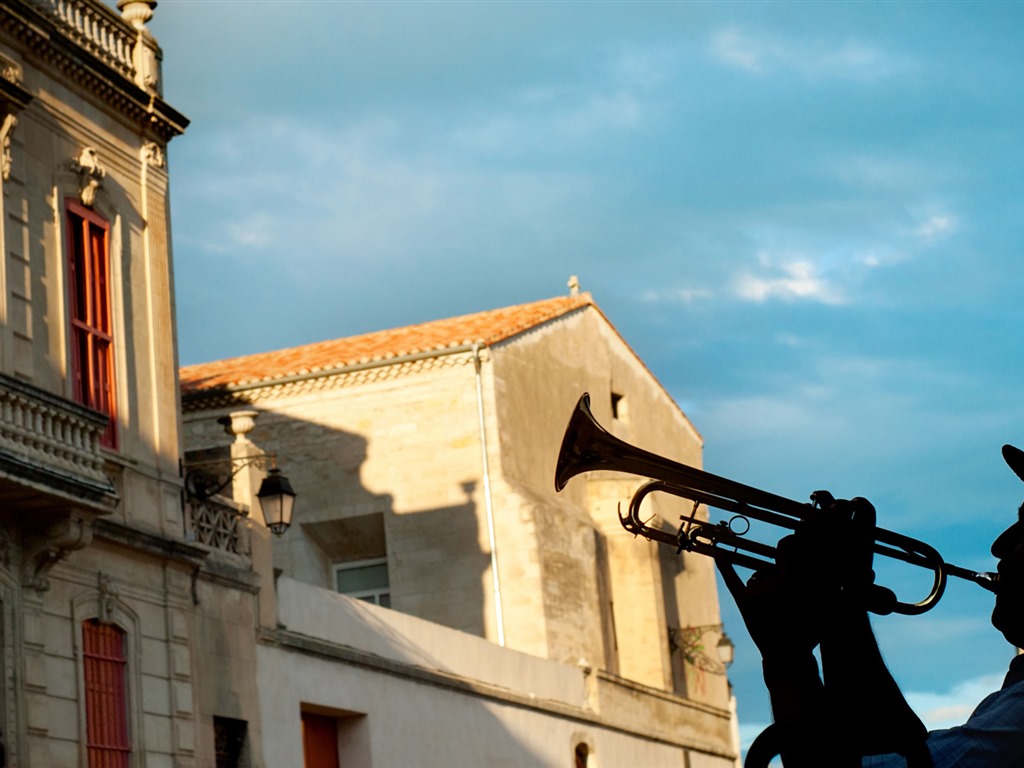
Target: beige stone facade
[(438, 461), (92, 528)]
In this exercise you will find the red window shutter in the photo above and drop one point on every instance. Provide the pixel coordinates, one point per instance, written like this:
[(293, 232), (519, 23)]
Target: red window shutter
[(106, 696), (319, 741), (92, 339)]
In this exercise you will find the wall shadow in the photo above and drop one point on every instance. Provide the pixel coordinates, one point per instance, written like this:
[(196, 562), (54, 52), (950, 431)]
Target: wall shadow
[(436, 563)]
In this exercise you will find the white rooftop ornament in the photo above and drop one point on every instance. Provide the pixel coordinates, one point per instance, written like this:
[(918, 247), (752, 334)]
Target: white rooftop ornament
[(574, 285), (144, 58), (136, 12)]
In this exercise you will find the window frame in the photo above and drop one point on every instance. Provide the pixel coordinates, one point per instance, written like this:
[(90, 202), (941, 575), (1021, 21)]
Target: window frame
[(91, 327), (367, 595), (106, 691), (109, 609)]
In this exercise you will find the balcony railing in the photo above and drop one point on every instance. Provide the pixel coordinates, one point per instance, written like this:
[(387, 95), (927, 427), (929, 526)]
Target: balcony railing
[(96, 28), (51, 445), (218, 523)]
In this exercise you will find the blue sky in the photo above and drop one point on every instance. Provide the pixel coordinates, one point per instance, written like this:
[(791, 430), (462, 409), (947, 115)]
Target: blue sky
[(806, 218)]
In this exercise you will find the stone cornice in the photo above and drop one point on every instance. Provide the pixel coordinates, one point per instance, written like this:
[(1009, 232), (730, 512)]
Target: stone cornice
[(151, 543), (41, 34), (321, 381)]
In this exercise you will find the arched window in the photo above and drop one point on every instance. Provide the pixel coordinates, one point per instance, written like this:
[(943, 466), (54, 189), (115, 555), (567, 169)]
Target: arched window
[(108, 742), (582, 755)]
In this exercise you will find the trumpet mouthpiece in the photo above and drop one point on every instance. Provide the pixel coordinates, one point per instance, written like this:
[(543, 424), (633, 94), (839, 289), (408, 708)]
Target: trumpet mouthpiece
[(987, 580)]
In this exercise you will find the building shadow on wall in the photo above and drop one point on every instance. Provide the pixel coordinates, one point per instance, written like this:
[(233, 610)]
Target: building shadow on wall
[(429, 561), (433, 559)]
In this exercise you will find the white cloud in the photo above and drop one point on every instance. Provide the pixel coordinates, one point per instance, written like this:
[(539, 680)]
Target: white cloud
[(885, 172), (687, 296), (798, 280), (936, 227), (952, 707), (343, 195), (621, 96), (815, 60), (732, 47)]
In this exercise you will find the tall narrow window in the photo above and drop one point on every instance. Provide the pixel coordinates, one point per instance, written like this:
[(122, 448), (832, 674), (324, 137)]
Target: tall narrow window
[(106, 696), (92, 341)]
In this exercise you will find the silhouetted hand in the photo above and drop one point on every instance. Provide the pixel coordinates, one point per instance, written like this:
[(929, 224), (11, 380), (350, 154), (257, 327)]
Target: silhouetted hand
[(822, 568)]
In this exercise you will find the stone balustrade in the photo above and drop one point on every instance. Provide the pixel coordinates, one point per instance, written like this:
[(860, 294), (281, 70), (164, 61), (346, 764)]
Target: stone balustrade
[(97, 29), (219, 523), (52, 434)]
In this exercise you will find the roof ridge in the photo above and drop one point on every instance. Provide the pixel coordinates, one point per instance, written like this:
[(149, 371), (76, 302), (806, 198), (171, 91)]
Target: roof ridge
[(486, 327)]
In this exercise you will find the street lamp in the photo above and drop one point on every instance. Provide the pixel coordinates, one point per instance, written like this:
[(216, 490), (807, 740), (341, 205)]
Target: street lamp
[(277, 499), (689, 641), (726, 649), (275, 496)]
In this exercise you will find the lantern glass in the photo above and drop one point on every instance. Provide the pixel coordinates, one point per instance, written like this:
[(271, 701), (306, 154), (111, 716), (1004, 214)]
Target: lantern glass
[(277, 500), (726, 650)]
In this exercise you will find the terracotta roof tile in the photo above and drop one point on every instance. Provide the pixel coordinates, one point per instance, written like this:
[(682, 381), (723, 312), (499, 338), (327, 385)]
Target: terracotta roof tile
[(485, 328)]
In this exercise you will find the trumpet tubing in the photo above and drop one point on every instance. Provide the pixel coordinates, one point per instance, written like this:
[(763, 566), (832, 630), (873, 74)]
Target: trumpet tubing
[(588, 447)]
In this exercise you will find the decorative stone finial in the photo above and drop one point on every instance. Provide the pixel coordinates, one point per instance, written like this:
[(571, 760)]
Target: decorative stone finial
[(136, 12), (574, 286), (240, 424), (144, 52)]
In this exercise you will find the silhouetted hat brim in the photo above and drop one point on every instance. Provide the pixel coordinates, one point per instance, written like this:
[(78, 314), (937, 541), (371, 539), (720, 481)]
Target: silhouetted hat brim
[(1015, 458)]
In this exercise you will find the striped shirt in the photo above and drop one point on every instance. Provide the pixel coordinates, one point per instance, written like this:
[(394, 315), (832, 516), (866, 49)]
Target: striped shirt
[(992, 737)]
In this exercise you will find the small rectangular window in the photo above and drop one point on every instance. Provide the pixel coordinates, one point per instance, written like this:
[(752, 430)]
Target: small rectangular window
[(229, 738), (364, 579), (618, 406)]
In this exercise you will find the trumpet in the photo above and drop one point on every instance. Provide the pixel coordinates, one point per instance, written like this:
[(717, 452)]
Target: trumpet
[(587, 447)]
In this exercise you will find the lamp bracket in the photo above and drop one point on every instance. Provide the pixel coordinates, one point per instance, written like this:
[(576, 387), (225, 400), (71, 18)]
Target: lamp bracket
[(201, 483)]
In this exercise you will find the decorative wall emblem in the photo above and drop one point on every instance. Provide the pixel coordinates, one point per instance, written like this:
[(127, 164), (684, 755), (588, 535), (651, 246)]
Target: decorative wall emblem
[(10, 121), (90, 174), (10, 70), (151, 154), (108, 597)]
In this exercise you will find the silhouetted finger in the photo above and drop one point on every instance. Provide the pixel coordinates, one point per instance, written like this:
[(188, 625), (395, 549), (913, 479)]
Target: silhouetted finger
[(732, 579)]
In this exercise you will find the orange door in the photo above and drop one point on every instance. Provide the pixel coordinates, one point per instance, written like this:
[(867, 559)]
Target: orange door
[(319, 741)]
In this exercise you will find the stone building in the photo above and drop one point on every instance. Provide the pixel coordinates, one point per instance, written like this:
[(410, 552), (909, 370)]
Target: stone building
[(435, 602), (123, 643)]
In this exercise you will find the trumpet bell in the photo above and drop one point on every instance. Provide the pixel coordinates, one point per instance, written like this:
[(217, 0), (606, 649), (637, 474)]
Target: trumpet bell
[(586, 445)]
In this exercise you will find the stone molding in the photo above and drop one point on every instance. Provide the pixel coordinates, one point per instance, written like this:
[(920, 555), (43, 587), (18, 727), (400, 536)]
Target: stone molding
[(93, 47), (324, 381)]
